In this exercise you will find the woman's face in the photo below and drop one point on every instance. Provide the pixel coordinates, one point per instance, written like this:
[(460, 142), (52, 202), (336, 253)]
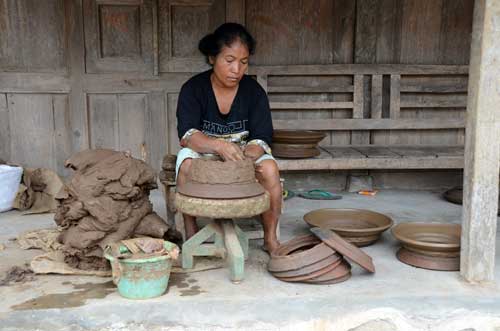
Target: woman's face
[(230, 64)]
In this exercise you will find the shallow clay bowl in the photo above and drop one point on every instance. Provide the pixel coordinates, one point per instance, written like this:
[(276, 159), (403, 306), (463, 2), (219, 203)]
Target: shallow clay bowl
[(431, 237), (358, 226), (297, 136)]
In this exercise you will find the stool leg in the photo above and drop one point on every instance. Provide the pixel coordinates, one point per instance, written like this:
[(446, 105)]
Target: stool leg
[(235, 253), (243, 238), (189, 247)]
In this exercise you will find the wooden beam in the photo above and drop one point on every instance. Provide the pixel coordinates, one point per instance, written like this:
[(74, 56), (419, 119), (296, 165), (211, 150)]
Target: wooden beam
[(342, 124), (360, 69), (482, 147), (395, 97), (359, 137), (376, 96), (77, 98), (309, 89), (14, 82), (311, 105), (453, 103), (371, 163)]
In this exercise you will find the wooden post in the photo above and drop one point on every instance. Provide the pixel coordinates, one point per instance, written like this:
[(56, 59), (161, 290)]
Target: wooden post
[(482, 146)]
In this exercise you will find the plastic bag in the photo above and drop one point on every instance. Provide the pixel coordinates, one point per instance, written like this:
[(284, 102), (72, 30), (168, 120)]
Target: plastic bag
[(10, 178)]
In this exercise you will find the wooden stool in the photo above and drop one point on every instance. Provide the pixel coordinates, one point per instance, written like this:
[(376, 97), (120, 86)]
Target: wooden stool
[(174, 217), (230, 241)]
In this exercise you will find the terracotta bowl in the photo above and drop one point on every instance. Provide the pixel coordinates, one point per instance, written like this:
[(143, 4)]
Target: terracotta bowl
[(358, 226), (433, 239), (297, 136)]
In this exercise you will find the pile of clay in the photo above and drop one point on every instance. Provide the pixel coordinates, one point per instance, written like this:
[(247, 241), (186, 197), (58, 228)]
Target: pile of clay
[(106, 200)]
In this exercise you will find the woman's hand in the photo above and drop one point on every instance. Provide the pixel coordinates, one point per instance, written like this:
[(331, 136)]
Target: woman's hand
[(229, 151)]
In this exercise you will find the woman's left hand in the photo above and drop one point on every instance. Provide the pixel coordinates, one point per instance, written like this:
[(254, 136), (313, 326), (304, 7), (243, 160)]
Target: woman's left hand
[(253, 152)]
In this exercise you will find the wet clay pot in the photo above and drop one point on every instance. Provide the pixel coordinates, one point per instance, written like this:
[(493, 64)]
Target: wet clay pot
[(433, 246), (358, 226), (221, 180)]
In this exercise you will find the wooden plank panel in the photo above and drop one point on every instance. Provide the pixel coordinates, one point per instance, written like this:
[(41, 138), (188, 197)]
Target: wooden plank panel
[(158, 132), (389, 16), (376, 152), (173, 139), (456, 101), (4, 129), (310, 105), (369, 124), (449, 151), (32, 130), (133, 125), (33, 36), (366, 31), (456, 29), (434, 87), (376, 109), (358, 97), (344, 16), (414, 151), (359, 69), (77, 98), (118, 36), (103, 121), (310, 89), (344, 152), (360, 103), (291, 32), (371, 163), (182, 24), (235, 11), (394, 105), (11, 82), (62, 132), (421, 24)]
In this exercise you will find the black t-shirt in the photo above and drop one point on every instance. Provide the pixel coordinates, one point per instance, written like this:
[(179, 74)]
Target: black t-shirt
[(249, 117)]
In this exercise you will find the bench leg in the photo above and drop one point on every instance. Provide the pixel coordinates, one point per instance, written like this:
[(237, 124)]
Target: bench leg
[(190, 247), (235, 254), (243, 239)]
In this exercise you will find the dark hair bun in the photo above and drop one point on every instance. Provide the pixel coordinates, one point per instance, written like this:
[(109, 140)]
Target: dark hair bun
[(208, 45), (225, 35)]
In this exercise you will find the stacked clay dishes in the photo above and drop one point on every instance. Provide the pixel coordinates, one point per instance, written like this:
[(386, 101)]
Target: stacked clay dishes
[(358, 226), (317, 259), (296, 144), (434, 246), (306, 259)]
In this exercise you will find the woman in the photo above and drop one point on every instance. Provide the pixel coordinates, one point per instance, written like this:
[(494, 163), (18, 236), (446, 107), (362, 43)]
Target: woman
[(222, 111)]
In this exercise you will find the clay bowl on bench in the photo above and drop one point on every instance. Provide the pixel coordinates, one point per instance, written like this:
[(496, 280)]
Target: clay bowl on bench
[(433, 246), (358, 226), (297, 136), (296, 144)]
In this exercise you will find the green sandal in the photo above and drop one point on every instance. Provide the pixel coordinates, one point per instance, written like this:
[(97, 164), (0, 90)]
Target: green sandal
[(319, 195), (287, 194)]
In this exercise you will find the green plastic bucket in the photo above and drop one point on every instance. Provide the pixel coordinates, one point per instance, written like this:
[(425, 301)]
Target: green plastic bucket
[(141, 278)]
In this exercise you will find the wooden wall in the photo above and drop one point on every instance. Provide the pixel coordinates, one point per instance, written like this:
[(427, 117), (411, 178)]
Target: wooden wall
[(106, 73)]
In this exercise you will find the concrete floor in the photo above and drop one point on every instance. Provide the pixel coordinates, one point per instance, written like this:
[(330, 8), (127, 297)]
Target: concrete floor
[(397, 297)]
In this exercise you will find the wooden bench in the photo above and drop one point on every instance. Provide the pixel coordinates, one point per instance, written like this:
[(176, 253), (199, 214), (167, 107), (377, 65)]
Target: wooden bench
[(389, 116)]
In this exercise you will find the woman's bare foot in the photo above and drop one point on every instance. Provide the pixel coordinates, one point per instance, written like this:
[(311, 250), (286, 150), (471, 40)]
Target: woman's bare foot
[(271, 246)]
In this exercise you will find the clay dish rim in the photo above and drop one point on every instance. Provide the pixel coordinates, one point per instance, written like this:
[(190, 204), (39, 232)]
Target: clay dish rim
[(397, 232), (347, 232)]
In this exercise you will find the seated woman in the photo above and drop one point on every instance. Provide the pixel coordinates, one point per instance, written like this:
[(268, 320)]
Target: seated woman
[(225, 112)]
